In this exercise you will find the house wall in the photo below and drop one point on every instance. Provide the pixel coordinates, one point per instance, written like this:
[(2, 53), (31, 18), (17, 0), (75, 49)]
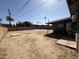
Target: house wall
[(58, 27), (55, 27), (69, 29), (63, 28), (68, 26)]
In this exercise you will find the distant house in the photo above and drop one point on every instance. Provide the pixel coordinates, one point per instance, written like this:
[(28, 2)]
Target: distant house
[(63, 26)]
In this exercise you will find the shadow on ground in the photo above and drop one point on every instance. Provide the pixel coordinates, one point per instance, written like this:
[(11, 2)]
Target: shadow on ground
[(60, 36)]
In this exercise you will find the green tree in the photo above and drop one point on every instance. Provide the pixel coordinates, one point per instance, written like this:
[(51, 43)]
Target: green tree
[(26, 23)]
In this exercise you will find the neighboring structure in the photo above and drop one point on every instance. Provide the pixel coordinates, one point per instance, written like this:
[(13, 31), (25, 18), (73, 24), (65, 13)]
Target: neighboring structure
[(74, 9), (63, 26), (72, 4), (66, 25)]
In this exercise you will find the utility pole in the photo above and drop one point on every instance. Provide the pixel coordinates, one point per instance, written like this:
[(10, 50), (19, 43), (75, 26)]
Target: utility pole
[(9, 12), (48, 27), (9, 16), (45, 21)]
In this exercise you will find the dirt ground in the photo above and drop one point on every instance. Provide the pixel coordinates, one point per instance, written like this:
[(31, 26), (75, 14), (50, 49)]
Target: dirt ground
[(32, 44)]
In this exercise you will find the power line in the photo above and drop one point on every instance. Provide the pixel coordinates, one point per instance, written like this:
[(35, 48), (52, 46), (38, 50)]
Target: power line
[(39, 6), (26, 3), (34, 8)]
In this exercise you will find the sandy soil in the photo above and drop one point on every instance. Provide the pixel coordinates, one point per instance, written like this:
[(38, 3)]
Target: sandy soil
[(32, 44)]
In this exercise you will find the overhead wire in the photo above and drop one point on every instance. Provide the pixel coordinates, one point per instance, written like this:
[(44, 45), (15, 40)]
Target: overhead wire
[(34, 8), (31, 9), (26, 3)]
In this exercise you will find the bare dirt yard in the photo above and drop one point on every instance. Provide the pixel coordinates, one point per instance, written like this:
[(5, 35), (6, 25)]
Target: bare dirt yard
[(32, 44)]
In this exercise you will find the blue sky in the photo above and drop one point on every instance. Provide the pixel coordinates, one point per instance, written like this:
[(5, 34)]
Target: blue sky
[(34, 11)]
